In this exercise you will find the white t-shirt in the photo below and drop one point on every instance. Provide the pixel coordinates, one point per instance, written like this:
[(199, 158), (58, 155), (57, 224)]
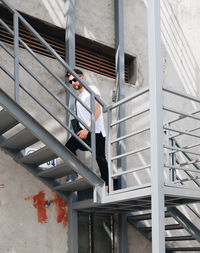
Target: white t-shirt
[(85, 115)]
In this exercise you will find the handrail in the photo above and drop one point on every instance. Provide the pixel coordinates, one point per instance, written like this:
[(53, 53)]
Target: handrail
[(44, 65), (53, 52), (130, 117), (181, 94), (183, 114), (17, 40), (15, 34), (127, 99), (184, 95), (43, 86), (44, 107)]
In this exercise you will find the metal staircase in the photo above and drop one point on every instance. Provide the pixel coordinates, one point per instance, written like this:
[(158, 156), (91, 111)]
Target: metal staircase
[(181, 231), (14, 113), (19, 130), (33, 132)]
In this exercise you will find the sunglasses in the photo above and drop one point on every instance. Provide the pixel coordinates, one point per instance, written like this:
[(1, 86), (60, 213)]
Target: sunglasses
[(72, 81)]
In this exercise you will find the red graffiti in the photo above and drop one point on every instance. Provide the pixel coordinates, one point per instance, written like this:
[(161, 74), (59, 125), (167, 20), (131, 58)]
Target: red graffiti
[(60, 208), (39, 203), (2, 185)]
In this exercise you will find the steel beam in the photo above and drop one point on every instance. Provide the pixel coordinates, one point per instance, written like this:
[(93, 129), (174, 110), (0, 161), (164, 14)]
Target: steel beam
[(70, 50), (70, 101), (156, 132), (120, 84), (185, 222)]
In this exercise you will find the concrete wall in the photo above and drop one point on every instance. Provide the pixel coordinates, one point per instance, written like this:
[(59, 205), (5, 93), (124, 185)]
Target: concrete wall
[(137, 242), (95, 20), (26, 225)]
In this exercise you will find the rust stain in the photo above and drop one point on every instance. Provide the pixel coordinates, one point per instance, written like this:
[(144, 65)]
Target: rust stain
[(2, 185), (60, 208), (39, 203)]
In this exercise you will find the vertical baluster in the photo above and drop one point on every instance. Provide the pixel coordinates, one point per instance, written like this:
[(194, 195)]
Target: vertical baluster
[(93, 136), (169, 155), (110, 163), (16, 53), (173, 161)]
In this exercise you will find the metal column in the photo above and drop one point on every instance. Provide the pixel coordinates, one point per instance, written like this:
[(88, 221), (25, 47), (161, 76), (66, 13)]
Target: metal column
[(70, 46), (70, 58), (157, 170), (119, 61), (122, 232)]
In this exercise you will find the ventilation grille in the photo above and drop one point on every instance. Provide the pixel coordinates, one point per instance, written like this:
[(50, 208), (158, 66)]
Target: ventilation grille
[(85, 58)]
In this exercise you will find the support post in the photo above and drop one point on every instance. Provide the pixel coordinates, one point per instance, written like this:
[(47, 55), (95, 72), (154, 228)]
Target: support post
[(156, 133), (72, 225), (70, 101), (70, 49), (120, 84), (16, 54), (122, 233)]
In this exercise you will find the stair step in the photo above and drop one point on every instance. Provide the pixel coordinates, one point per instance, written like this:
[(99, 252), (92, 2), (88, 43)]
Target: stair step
[(20, 140), (76, 185), (167, 227), (58, 171), (183, 249), (179, 238), (7, 121), (147, 216), (38, 157)]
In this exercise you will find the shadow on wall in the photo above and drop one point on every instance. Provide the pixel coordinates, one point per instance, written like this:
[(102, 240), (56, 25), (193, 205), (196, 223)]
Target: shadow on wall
[(179, 49), (56, 9)]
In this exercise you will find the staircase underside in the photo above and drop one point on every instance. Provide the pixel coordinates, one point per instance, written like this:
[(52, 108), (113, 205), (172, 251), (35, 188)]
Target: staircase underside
[(138, 200), (19, 130)]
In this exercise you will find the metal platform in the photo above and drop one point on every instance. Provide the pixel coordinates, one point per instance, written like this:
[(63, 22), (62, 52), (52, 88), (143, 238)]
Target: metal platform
[(138, 200)]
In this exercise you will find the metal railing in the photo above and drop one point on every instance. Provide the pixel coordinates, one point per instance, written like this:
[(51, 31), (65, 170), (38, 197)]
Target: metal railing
[(176, 128), (113, 125), (18, 85), (116, 172)]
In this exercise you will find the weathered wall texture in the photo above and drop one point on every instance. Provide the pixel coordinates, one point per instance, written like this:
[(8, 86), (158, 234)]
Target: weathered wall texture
[(51, 11), (137, 242), (26, 225), (95, 20)]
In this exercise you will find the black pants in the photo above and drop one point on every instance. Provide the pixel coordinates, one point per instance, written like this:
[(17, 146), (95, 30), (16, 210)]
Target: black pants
[(73, 145)]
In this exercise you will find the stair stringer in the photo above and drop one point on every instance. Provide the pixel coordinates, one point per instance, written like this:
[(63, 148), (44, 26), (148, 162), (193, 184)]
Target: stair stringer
[(52, 143), (139, 225), (185, 222)]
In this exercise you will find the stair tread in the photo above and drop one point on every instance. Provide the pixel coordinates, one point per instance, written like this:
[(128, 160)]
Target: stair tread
[(19, 141), (7, 121), (39, 157), (167, 227), (146, 216), (57, 171), (179, 238), (76, 185), (183, 249)]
